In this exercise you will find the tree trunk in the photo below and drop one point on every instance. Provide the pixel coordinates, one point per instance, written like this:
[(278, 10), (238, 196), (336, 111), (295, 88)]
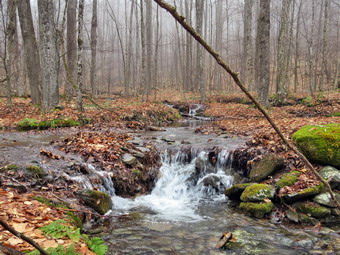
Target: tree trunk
[(188, 50), (148, 32), (142, 33), (263, 52), (247, 60), (71, 45), (282, 82), (80, 55), (31, 50), (94, 24), (218, 42), (48, 55), (296, 57), (199, 51)]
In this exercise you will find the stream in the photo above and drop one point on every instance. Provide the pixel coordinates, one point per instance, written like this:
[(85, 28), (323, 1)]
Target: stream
[(186, 212)]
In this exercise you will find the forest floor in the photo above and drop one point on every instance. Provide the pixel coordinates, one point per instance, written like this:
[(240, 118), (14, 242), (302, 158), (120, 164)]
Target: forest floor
[(233, 115)]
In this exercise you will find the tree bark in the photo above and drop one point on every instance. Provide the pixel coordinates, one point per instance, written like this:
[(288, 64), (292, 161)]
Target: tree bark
[(32, 58), (148, 32), (80, 55), (263, 52), (48, 55), (71, 45), (94, 25), (282, 82)]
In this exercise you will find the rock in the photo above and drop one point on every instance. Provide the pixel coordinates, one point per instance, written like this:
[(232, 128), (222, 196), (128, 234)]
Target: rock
[(97, 200), (168, 139), (257, 193), (143, 149), (128, 159), (292, 216), (258, 210), (269, 164), (325, 199), (185, 142), (320, 143), (332, 175), (235, 191), (288, 179), (303, 218), (302, 194), (211, 181), (312, 209), (139, 155)]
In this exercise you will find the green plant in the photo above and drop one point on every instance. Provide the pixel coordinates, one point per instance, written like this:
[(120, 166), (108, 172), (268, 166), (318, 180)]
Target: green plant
[(59, 250), (28, 123), (36, 171), (97, 245)]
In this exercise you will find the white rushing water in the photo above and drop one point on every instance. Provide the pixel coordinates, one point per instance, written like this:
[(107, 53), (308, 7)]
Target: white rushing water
[(181, 187)]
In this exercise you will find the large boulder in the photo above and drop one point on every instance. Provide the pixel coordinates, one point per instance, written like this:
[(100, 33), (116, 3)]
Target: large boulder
[(257, 193), (97, 200), (320, 143), (257, 210), (235, 191), (332, 175), (269, 164)]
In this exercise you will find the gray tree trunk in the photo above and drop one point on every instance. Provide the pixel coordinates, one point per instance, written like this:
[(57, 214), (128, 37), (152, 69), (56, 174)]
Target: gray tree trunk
[(247, 59), (282, 82), (48, 55), (94, 25), (188, 50), (148, 32), (143, 57), (80, 55), (71, 46), (263, 52), (199, 51), (31, 50), (219, 42), (296, 57)]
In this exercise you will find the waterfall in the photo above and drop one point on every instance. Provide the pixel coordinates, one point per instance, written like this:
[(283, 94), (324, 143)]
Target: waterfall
[(184, 183)]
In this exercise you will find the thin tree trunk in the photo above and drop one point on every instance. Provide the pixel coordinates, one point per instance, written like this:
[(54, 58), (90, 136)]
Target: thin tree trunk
[(93, 71), (148, 32), (296, 57), (32, 58), (80, 106), (199, 51)]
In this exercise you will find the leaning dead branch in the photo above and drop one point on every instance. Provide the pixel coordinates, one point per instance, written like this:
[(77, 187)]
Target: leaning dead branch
[(235, 75)]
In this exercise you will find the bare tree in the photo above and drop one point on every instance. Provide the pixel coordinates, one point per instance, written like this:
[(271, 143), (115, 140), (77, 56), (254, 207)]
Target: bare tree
[(71, 45), (247, 60), (32, 58), (48, 55), (282, 82), (80, 55), (93, 70), (263, 52), (149, 53)]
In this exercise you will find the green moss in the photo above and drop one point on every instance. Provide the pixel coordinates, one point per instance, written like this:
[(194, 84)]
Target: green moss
[(10, 167), (335, 114), (269, 164), (36, 170), (235, 191), (320, 144), (257, 192), (312, 209), (136, 172), (305, 193), (99, 201), (288, 179), (258, 210), (28, 124)]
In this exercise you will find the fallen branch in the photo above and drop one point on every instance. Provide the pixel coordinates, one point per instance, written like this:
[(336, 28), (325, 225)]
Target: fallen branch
[(181, 19), (23, 237)]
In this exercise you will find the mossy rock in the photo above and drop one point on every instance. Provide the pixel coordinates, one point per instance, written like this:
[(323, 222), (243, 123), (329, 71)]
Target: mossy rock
[(326, 200), (257, 210), (258, 192), (97, 200), (235, 191), (36, 171), (269, 164), (312, 209), (28, 124), (320, 144), (303, 194), (288, 179), (10, 167)]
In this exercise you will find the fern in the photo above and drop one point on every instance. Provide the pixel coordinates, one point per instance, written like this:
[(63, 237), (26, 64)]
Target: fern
[(59, 250), (56, 229), (97, 245)]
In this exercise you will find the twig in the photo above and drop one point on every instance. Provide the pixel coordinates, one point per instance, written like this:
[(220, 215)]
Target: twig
[(181, 19), (23, 237)]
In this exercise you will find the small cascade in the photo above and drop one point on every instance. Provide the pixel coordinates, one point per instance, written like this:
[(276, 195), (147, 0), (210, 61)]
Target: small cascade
[(193, 111), (184, 183)]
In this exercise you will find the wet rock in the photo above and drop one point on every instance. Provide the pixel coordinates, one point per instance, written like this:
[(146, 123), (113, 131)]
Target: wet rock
[(288, 179), (325, 199), (303, 194), (303, 218), (168, 139), (128, 159), (97, 200), (257, 210), (292, 216), (257, 193), (185, 142), (234, 192), (332, 175), (320, 143), (143, 149), (139, 155), (212, 181), (269, 164), (312, 209)]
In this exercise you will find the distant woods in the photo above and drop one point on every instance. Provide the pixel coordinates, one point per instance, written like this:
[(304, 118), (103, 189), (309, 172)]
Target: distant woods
[(133, 48)]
